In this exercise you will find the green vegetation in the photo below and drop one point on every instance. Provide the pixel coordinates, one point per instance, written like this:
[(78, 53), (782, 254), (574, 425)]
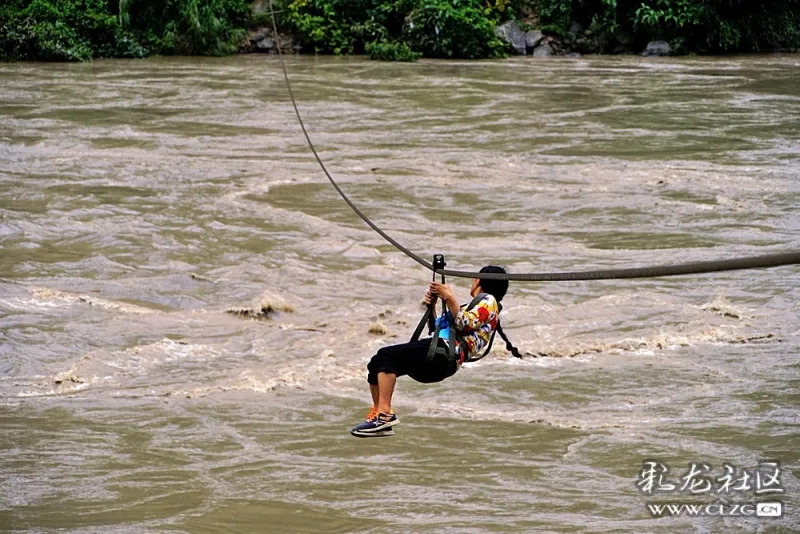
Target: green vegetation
[(66, 30), (433, 28), (78, 30), (693, 25), (387, 51), (187, 27), (400, 30), (465, 28)]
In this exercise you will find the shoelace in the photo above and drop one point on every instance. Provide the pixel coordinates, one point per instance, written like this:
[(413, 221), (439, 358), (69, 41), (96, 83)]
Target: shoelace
[(374, 414)]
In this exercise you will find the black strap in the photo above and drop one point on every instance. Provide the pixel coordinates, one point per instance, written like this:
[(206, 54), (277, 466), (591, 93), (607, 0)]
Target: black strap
[(451, 340), (418, 331), (479, 297), (451, 343), (435, 342), (428, 315), (509, 347), (499, 330), (486, 352)]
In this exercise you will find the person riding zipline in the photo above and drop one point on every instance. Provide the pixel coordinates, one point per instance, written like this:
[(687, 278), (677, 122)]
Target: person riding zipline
[(460, 334)]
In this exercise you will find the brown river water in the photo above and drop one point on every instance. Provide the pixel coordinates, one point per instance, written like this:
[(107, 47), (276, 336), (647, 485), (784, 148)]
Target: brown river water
[(140, 201)]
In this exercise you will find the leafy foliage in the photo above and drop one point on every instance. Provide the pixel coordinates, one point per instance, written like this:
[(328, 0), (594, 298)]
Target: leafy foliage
[(702, 25), (63, 30), (79, 30), (434, 28), (391, 51), (554, 14), (454, 29), (192, 27), (345, 26)]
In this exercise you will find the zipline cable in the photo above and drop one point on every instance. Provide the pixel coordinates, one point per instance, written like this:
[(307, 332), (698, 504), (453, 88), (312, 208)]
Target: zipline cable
[(753, 262)]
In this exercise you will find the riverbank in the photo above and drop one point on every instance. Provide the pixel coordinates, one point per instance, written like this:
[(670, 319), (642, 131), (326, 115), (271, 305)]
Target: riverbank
[(81, 30), (533, 43)]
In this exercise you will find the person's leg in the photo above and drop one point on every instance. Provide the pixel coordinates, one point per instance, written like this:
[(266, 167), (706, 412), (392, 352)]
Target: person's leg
[(399, 360), (383, 369), (373, 390), (377, 362), (386, 383)]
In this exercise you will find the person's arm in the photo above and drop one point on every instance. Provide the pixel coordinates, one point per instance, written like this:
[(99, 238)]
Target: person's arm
[(430, 300), (446, 294)]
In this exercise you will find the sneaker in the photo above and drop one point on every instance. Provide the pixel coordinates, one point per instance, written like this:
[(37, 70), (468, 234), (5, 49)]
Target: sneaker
[(380, 434), (380, 423)]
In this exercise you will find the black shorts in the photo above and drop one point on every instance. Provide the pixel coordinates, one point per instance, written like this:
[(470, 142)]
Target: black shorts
[(409, 359)]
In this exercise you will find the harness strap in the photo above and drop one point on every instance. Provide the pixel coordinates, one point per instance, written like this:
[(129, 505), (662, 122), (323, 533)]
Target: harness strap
[(434, 344), (509, 347), (479, 297), (421, 325), (486, 352), (450, 351)]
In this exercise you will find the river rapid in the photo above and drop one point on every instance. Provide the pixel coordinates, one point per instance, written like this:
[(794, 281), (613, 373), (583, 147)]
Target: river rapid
[(185, 302)]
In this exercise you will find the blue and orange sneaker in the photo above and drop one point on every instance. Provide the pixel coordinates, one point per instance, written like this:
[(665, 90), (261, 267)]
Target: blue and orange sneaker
[(376, 425)]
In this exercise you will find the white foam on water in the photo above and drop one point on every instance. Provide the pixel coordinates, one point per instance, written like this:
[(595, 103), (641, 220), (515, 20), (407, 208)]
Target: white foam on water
[(142, 358), (324, 371), (53, 392), (263, 306), (47, 297), (114, 368)]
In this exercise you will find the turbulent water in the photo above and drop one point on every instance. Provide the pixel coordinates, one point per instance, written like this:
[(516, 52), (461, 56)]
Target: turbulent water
[(141, 202)]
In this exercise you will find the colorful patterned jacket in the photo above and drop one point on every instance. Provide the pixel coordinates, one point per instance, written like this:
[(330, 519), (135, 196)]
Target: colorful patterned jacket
[(474, 326)]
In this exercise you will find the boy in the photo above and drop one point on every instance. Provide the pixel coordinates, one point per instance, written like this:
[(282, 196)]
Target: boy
[(475, 327)]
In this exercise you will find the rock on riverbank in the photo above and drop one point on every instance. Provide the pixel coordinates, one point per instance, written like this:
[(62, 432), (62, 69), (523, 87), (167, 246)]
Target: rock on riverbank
[(576, 42), (262, 40)]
